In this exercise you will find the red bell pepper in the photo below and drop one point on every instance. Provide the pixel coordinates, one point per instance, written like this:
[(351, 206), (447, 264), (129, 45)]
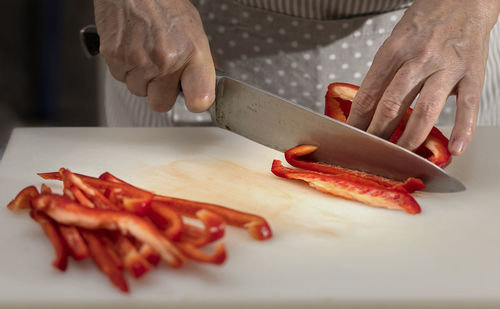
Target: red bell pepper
[(122, 226), (131, 198), (133, 262), (76, 245), (214, 229), (295, 157), (256, 225), (23, 199), (338, 100), (68, 212), (193, 252), (104, 260), (352, 188), (45, 189), (50, 228), (166, 219)]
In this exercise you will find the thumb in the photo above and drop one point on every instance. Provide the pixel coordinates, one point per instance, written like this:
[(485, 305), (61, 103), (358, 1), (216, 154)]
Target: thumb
[(198, 83)]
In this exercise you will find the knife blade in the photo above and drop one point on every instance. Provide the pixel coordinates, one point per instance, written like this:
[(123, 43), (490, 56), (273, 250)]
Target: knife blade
[(280, 124)]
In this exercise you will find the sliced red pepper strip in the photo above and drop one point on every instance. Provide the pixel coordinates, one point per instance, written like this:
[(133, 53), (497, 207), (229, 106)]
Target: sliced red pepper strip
[(163, 217), (349, 187), (294, 157), (104, 261), (109, 246), (147, 252), (131, 198), (214, 226), (193, 252), (67, 212), (166, 219), (76, 245), (134, 263), (338, 102), (51, 230), (256, 225), (23, 199), (214, 229), (94, 195), (45, 189)]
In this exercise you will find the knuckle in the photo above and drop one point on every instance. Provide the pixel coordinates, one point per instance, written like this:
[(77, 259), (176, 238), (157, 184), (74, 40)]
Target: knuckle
[(390, 107), (470, 102), (428, 111), (170, 59), (363, 103), (394, 48), (136, 58), (111, 53)]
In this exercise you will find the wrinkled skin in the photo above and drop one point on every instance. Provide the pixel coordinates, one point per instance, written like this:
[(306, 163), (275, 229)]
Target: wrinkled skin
[(152, 46), (437, 49)]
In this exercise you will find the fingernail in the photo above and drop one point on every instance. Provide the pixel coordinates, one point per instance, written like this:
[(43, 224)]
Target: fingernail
[(457, 146)]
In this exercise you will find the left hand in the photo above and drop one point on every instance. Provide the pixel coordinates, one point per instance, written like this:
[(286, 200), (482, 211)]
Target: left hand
[(438, 48)]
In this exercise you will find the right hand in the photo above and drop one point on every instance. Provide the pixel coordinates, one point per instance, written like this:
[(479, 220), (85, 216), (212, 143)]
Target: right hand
[(152, 46)]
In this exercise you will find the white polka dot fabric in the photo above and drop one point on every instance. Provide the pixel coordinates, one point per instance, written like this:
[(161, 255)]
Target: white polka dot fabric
[(293, 57)]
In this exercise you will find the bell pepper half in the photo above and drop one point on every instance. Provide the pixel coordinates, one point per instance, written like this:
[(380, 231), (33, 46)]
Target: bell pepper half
[(338, 101)]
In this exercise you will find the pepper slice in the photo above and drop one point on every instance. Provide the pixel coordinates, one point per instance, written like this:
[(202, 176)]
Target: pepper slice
[(68, 212), (76, 245), (131, 198), (134, 262), (350, 187), (23, 199), (214, 229), (295, 157), (104, 260), (338, 101), (256, 225), (50, 228)]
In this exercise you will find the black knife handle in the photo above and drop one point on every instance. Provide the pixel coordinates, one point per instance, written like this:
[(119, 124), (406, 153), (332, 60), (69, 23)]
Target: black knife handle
[(90, 40)]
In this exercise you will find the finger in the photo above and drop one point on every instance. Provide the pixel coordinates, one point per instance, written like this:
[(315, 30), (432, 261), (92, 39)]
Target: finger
[(468, 99), (396, 99), (137, 80), (429, 104), (376, 80), (163, 91), (198, 82)]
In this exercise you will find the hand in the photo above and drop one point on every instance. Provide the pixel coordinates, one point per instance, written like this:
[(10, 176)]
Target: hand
[(152, 46), (438, 48)]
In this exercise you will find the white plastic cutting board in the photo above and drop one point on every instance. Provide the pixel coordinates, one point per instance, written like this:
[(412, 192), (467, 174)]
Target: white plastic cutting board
[(326, 251)]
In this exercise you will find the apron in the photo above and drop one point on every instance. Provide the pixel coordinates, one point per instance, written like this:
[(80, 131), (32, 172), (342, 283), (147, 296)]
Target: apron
[(293, 57)]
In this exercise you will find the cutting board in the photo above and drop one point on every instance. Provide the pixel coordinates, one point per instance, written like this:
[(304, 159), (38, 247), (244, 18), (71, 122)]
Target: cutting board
[(325, 251)]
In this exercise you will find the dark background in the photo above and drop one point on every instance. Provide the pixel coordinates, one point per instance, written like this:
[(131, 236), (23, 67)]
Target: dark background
[(45, 78)]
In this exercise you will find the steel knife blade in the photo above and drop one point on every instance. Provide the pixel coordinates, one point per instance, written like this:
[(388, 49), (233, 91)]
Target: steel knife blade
[(280, 124)]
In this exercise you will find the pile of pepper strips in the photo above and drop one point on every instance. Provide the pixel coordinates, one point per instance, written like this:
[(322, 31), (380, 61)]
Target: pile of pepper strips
[(123, 227), (356, 185)]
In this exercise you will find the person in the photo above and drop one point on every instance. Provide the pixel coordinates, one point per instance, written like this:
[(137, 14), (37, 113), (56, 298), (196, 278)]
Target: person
[(422, 52)]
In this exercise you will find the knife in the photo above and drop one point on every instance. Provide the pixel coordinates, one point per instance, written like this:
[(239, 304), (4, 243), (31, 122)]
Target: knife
[(280, 124)]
